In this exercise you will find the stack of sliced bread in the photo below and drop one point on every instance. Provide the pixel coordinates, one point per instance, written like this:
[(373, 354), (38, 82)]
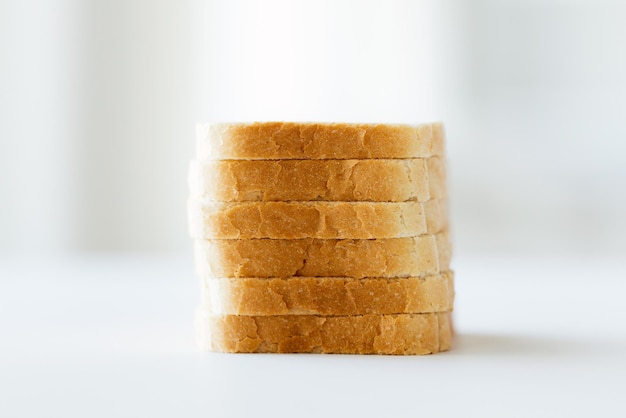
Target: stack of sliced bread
[(321, 238)]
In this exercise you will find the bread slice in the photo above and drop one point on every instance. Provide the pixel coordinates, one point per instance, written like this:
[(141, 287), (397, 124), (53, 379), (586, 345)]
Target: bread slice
[(391, 257), (364, 334), (306, 180), (326, 220), (334, 296), (281, 140)]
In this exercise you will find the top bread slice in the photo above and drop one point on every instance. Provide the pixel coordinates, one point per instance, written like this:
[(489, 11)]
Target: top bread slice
[(285, 140)]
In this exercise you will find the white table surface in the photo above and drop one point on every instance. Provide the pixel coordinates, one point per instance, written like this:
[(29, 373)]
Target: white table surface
[(112, 336)]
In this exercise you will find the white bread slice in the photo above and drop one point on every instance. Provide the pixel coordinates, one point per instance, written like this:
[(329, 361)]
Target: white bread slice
[(391, 257), (325, 220), (318, 180), (284, 140), (363, 334), (333, 296)]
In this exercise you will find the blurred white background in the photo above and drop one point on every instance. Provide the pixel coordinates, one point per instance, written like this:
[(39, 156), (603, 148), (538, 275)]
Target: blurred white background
[(98, 105), (99, 101)]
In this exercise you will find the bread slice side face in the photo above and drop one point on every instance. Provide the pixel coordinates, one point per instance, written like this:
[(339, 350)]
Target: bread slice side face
[(323, 220), (288, 140), (328, 296), (394, 257), (313, 180), (406, 334)]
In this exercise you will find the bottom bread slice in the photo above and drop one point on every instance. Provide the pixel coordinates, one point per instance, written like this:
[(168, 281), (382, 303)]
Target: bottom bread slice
[(364, 334), (337, 296)]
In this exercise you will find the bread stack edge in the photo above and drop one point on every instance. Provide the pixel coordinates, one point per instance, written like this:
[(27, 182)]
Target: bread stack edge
[(321, 238)]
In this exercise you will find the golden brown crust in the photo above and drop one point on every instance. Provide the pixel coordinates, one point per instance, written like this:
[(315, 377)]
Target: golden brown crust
[(365, 334), (325, 220), (392, 257), (332, 296), (307, 180), (285, 140)]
